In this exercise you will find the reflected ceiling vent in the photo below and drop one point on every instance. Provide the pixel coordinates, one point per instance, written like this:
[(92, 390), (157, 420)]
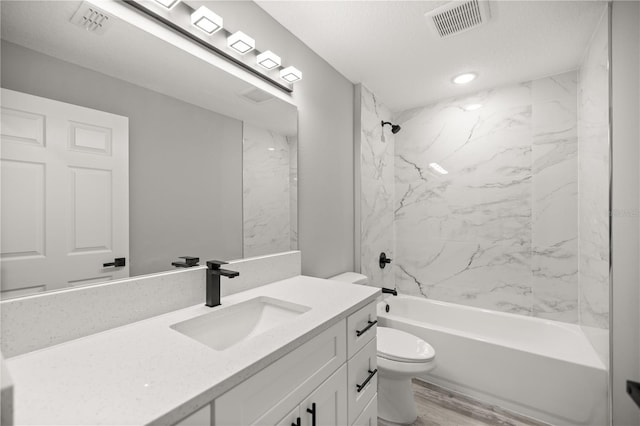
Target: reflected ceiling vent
[(458, 16), (91, 18), (256, 95)]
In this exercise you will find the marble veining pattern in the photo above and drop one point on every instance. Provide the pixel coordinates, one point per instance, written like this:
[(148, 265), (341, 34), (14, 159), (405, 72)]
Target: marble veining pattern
[(377, 186), (593, 136), (267, 192), (555, 198), (484, 234)]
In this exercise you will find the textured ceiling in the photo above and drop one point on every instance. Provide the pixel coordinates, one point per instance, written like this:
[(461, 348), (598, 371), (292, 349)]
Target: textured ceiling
[(388, 46)]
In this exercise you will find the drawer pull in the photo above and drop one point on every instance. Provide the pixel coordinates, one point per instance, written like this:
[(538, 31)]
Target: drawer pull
[(371, 374), (312, 411), (297, 423), (364, 330)]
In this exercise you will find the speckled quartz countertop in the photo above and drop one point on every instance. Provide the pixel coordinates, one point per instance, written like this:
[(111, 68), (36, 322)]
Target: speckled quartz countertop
[(148, 373)]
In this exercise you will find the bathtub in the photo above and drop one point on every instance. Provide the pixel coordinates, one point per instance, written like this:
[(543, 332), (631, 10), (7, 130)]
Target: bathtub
[(539, 368)]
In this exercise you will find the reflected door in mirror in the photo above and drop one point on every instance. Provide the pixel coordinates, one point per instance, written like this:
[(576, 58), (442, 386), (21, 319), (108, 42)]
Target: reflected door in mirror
[(65, 194)]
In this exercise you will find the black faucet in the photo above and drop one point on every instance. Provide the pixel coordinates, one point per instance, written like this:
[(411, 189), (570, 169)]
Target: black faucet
[(213, 281), (390, 291)]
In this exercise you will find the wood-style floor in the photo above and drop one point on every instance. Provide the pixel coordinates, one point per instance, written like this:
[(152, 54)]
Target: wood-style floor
[(439, 407)]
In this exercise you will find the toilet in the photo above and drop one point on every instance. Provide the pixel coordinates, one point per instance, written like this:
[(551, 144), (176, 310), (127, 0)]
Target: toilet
[(401, 356)]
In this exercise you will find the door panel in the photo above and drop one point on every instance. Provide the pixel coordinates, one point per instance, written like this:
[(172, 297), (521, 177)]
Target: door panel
[(65, 194)]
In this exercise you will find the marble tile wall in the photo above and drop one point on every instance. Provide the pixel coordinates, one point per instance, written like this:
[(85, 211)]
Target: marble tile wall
[(268, 196), (487, 232), (593, 172), (377, 191), (292, 141), (554, 229)]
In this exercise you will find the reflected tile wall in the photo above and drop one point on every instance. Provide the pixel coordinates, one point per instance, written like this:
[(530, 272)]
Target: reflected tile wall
[(555, 198), (485, 234), (377, 185), (593, 132), (267, 197), (292, 141)]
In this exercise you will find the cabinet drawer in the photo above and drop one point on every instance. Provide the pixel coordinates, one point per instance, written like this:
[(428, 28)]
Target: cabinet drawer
[(369, 416), (360, 368), (357, 323), (276, 390)]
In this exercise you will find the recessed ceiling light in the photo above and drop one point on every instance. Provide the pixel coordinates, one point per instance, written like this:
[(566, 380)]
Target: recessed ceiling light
[(271, 148), (241, 43), (268, 60), (438, 168), (206, 20), (169, 4), (472, 107), (464, 78), (291, 74)]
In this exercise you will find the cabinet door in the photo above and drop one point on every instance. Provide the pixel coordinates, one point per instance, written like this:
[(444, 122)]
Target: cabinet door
[(267, 396), (330, 401), (291, 418)]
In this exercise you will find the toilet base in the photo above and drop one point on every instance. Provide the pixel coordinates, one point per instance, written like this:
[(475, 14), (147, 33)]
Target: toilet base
[(395, 400)]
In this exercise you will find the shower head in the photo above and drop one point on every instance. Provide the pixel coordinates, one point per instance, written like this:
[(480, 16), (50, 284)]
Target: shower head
[(394, 127)]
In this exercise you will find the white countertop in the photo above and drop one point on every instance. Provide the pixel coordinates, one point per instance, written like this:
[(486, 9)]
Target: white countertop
[(148, 373)]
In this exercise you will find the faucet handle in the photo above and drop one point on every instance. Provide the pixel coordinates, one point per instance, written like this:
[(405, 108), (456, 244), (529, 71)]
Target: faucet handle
[(215, 264)]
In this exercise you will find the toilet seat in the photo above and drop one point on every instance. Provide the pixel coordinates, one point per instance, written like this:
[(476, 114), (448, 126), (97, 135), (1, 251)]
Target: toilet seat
[(397, 345)]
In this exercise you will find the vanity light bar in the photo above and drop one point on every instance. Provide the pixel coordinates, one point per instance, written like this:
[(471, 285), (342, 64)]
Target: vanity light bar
[(241, 43), (169, 4), (291, 74), (209, 23), (268, 60), (206, 20)]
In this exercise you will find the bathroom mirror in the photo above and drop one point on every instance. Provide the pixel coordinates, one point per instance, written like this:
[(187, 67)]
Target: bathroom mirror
[(175, 189)]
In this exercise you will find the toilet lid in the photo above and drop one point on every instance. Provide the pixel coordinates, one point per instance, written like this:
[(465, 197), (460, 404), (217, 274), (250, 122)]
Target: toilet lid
[(397, 345)]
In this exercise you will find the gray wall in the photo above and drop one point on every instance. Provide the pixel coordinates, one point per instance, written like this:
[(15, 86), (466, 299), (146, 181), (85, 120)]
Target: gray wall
[(625, 327), (325, 128), (185, 162)]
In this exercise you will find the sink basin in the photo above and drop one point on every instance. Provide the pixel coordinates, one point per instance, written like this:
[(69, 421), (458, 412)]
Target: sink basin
[(228, 326)]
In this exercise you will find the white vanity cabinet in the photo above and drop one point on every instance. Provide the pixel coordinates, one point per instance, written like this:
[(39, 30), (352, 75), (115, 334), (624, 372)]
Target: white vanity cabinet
[(330, 380)]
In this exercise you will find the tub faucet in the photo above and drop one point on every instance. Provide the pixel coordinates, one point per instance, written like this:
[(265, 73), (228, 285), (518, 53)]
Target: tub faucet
[(213, 281), (390, 291)]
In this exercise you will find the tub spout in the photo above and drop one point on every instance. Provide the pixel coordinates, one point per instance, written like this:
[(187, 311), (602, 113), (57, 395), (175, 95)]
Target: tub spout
[(390, 291)]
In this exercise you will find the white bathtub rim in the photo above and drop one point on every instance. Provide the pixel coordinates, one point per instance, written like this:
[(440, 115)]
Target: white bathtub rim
[(593, 361)]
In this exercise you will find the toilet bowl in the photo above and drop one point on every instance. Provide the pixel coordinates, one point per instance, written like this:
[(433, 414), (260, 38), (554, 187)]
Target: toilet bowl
[(400, 356)]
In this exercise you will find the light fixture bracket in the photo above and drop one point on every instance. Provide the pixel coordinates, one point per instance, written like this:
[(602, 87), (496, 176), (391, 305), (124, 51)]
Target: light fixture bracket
[(179, 20)]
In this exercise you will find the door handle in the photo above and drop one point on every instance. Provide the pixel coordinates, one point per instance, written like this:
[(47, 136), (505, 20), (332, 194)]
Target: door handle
[(118, 262), (312, 411), (297, 423)]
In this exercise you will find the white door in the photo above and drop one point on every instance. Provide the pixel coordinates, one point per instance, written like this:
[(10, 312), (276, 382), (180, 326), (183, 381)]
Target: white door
[(328, 403), (64, 194)]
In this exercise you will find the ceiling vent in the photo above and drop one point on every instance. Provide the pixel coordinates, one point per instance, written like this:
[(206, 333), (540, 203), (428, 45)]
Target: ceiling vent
[(255, 95), (91, 18), (458, 16)]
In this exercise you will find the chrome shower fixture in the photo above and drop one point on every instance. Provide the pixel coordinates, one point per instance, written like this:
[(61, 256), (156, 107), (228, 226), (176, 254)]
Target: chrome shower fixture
[(394, 127)]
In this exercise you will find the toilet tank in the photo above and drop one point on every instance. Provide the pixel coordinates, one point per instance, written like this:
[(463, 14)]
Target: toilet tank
[(351, 277)]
